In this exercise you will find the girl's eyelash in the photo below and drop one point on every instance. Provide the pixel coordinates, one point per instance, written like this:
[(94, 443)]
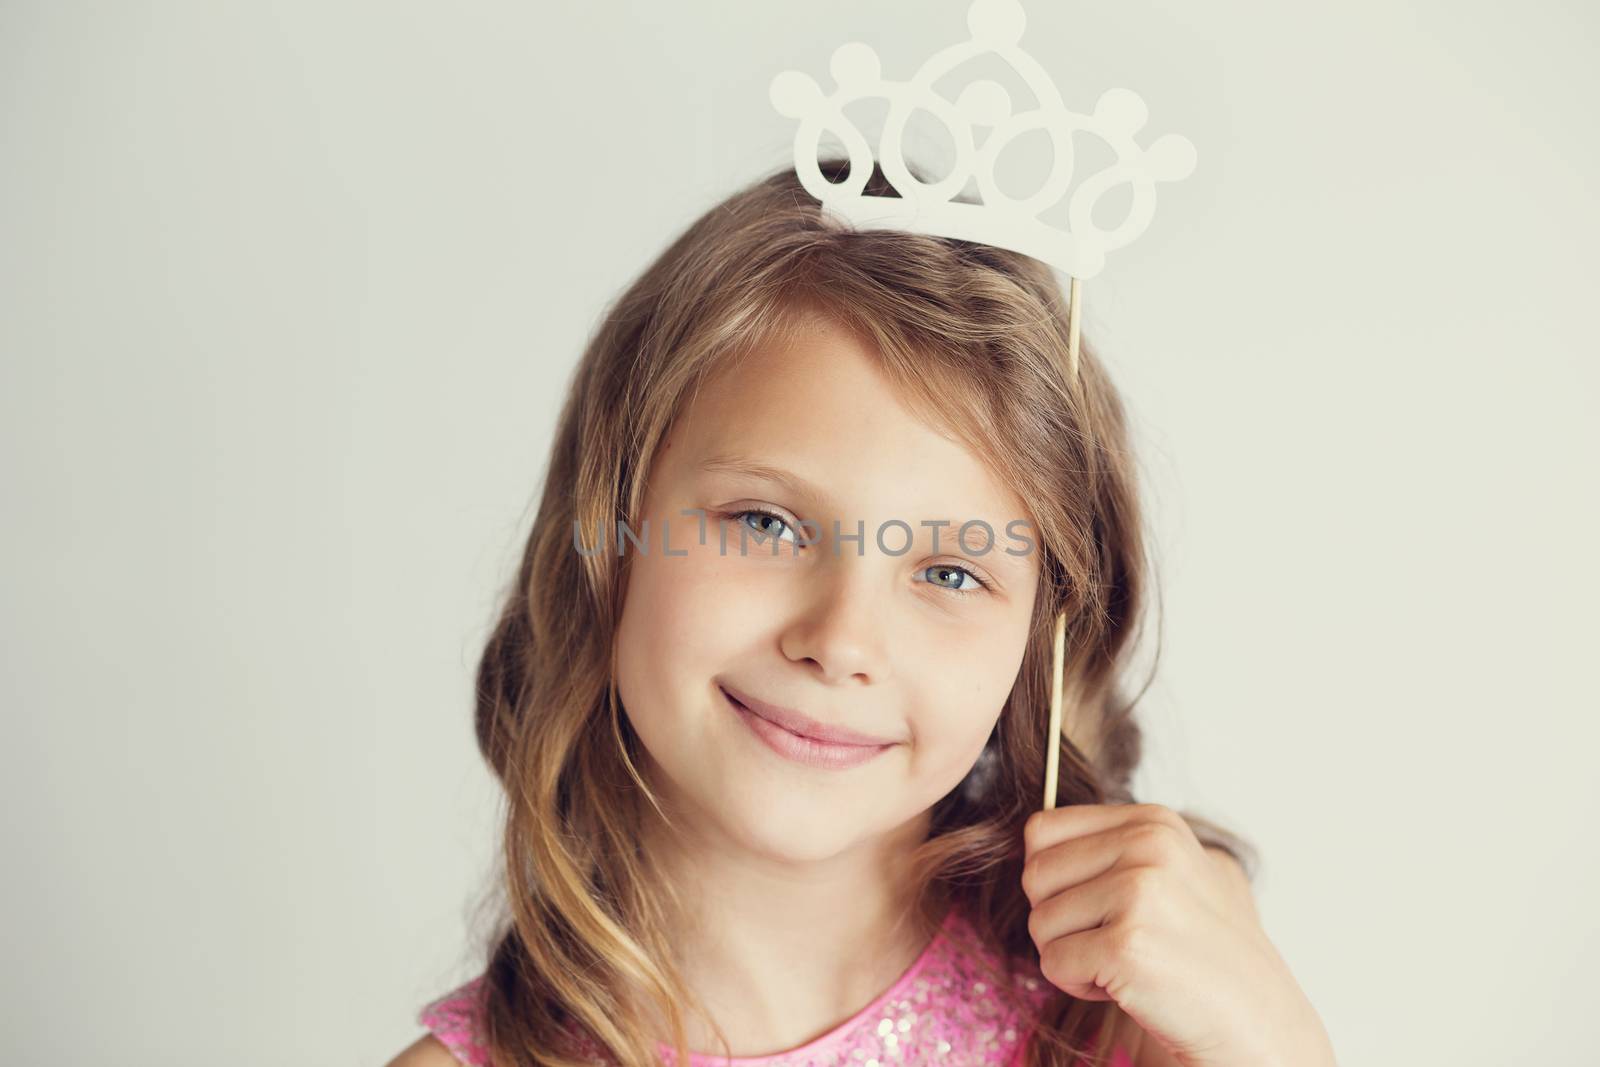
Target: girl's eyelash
[(983, 586)]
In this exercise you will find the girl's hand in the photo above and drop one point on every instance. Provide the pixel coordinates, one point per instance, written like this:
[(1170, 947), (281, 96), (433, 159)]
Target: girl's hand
[(1128, 906)]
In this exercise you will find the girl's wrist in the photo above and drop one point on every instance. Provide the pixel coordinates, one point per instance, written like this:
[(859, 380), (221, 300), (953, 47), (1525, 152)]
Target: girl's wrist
[(1301, 1041), (1314, 1046), (1304, 1042)]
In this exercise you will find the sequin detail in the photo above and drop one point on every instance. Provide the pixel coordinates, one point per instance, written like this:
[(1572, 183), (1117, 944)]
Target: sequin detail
[(942, 1011), (453, 1019)]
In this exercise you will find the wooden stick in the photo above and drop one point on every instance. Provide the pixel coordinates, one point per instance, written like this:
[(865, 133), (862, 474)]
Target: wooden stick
[(1058, 654), (1074, 304), (1052, 760)]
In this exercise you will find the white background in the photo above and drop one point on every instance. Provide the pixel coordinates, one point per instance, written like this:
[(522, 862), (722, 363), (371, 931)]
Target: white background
[(289, 291)]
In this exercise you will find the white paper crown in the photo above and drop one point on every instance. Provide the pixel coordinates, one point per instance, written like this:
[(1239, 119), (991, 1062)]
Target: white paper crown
[(1001, 220)]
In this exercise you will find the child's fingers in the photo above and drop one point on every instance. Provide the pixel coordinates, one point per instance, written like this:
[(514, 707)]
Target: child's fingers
[(1135, 842), (1086, 965), (1118, 896), (1051, 826)]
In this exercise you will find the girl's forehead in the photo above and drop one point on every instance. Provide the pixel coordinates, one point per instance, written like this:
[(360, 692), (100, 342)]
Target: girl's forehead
[(820, 388), (822, 376)]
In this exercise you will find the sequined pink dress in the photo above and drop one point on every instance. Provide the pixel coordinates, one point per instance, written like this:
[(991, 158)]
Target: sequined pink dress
[(940, 1011)]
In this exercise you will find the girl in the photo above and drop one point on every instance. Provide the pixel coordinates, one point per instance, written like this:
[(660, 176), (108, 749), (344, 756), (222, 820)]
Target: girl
[(769, 694)]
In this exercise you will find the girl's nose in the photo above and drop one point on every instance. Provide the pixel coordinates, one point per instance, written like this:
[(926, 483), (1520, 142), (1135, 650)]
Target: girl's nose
[(841, 623)]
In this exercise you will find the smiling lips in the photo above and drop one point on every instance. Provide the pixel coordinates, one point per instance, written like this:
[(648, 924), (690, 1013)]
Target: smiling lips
[(802, 739)]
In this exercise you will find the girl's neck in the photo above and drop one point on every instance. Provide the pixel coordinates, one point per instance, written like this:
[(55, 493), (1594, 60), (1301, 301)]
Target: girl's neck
[(780, 952)]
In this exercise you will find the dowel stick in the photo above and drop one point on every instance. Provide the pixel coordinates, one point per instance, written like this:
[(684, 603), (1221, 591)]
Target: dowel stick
[(1058, 652), (1052, 762), (1074, 305)]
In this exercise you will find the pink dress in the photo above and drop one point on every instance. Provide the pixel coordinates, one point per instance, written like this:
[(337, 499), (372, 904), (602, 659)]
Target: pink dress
[(940, 1011)]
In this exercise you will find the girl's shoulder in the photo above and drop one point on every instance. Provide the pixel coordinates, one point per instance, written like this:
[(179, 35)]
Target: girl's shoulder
[(452, 1020), (425, 1051)]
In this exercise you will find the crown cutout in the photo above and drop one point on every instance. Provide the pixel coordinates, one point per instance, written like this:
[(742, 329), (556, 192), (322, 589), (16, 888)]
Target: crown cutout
[(1001, 220)]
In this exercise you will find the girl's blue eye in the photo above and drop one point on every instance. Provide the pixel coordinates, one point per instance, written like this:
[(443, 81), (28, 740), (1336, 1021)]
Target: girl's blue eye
[(946, 568), (763, 529)]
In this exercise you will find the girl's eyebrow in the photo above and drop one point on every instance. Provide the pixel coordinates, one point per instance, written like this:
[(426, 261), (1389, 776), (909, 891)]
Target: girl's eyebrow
[(731, 464)]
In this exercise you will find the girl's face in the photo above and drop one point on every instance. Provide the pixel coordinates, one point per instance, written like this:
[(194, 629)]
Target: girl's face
[(908, 646)]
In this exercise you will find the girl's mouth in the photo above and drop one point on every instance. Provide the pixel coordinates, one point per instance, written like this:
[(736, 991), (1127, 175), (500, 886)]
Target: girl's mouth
[(799, 748)]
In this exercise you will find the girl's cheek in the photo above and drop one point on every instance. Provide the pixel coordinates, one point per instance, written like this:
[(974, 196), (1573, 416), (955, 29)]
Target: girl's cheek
[(709, 603)]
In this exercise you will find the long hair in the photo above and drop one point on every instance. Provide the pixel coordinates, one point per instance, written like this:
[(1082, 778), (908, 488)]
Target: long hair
[(976, 338)]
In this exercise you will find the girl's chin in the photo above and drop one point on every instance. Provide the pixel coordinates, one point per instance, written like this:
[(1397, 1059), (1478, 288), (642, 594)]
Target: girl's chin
[(806, 846), (786, 828)]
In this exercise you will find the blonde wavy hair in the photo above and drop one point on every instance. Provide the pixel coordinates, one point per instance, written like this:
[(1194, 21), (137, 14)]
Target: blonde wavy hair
[(976, 338)]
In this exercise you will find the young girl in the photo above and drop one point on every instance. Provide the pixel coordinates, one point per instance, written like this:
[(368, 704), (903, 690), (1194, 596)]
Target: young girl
[(769, 696)]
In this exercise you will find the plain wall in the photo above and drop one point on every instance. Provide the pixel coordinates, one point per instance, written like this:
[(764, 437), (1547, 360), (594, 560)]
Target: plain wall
[(288, 296)]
